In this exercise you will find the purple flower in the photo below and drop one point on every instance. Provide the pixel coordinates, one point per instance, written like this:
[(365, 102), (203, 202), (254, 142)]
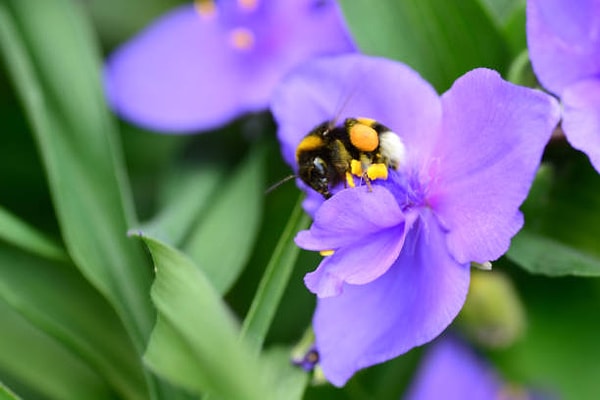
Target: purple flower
[(564, 47), (452, 371), (399, 273), (200, 66)]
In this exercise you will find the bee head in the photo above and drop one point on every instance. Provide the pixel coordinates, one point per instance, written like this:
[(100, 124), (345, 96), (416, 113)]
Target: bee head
[(315, 172)]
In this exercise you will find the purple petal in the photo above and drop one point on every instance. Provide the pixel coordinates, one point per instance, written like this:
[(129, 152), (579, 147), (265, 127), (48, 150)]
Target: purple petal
[(349, 217), (299, 31), (581, 118), (563, 41), (178, 75), (494, 134), (355, 86), (412, 303), (183, 74), (452, 371), (358, 264), (365, 228)]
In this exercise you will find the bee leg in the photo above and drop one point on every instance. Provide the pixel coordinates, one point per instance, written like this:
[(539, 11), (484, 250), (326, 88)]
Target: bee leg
[(368, 183)]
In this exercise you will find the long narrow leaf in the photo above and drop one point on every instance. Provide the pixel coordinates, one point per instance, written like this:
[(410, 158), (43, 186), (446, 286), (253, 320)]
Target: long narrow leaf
[(20, 234), (7, 394), (33, 359), (61, 93), (195, 343), (223, 241), (189, 193), (274, 280), (562, 222), (58, 301)]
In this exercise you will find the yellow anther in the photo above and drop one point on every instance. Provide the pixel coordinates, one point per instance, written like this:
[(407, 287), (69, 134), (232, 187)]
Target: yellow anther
[(248, 5), (242, 38), (349, 180), (326, 253), (206, 8), (356, 168), (377, 171)]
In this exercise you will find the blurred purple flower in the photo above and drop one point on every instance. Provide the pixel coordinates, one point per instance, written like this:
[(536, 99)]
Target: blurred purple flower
[(399, 273), (200, 66), (564, 45), (452, 371)]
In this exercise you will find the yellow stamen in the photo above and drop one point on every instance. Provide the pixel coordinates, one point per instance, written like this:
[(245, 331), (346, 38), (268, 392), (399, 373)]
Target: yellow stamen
[(377, 171), (356, 168), (242, 38), (326, 253), (248, 5), (206, 8)]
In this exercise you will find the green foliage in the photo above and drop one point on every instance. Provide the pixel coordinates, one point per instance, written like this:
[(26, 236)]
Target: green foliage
[(440, 39), (77, 141), (562, 224), (85, 317)]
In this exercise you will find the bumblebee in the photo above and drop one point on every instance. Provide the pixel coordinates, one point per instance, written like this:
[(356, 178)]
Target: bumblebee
[(329, 155)]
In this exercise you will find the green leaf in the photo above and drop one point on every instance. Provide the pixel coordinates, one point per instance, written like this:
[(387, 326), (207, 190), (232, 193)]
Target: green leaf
[(542, 255), (58, 301), (559, 353), (186, 197), (288, 381), (7, 394), (20, 234), (274, 280), (38, 362), (562, 222), (222, 243), (502, 10), (54, 63), (196, 340), (440, 39)]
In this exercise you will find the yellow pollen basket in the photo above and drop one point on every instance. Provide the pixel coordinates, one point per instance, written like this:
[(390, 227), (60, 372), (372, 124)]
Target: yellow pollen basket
[(377, 171), (363, 137), (206, 8), (242, 39), (326, 253)]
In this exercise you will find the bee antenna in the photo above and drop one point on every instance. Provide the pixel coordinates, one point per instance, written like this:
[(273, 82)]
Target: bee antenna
[(279, 183)]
